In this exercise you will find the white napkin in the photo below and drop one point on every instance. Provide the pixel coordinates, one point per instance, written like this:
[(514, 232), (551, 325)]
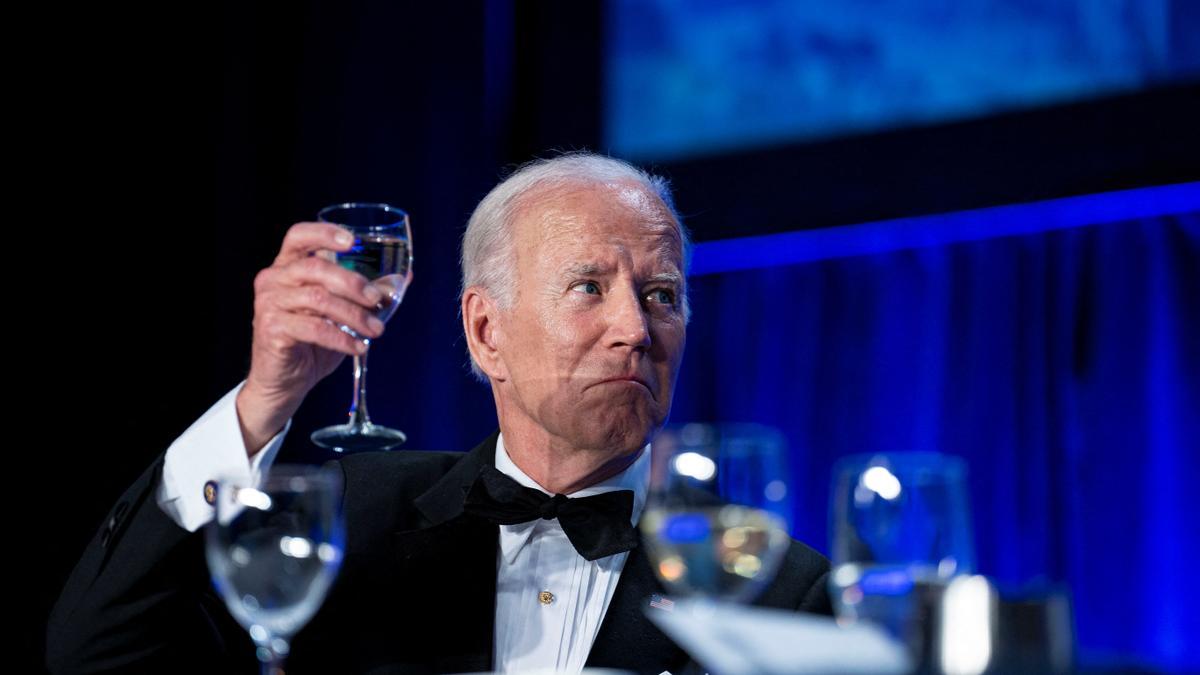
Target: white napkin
[(736, 640)]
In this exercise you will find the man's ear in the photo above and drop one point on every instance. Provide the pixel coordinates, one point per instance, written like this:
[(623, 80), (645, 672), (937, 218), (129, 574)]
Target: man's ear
[(482, 327)]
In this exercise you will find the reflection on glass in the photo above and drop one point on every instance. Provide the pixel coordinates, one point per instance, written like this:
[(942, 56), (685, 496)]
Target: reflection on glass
[(715, 522), (273, 550), (900, 530)]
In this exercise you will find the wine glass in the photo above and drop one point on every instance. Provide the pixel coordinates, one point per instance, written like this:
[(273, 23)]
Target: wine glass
[(382, 253), (273, 551), (716, 517), (900, 531)]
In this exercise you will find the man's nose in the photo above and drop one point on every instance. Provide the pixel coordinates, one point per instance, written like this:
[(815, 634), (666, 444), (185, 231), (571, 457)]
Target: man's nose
[(628, 323)]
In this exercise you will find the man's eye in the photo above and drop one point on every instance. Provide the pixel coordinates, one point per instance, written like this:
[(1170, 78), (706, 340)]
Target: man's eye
[(662, 296), (589, 287)]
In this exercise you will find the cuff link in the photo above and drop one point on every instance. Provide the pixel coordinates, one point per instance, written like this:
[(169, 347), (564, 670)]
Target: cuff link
[(546, 598), (210, 492)]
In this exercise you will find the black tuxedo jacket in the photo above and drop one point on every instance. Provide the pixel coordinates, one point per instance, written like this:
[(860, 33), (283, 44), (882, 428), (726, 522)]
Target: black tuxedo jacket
[(416, 592)]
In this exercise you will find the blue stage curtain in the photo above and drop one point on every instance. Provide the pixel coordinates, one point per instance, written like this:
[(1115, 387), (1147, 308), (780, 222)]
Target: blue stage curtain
[(1063, 365)]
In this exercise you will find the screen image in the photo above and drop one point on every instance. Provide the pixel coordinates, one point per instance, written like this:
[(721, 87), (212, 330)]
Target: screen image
[(687, 78)]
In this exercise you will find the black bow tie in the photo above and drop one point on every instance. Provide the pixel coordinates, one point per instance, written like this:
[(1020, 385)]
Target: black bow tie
[(597, 526)]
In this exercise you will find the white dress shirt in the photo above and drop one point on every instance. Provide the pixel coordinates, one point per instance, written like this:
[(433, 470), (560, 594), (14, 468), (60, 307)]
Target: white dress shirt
[(554, 631), (551, 631), (211, 448)]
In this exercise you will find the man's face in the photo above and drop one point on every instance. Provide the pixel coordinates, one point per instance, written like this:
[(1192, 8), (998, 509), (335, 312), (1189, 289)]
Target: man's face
[(593, 340)]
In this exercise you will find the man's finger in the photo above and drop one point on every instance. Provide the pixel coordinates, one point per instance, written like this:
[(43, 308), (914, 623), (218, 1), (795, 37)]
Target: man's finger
[(318, 301), (305, 238), (316, 271), (288, 330)]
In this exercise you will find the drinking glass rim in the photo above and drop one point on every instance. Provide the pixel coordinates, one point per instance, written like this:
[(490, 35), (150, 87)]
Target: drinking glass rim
[(902, 460), (311, 473), (401, 214)]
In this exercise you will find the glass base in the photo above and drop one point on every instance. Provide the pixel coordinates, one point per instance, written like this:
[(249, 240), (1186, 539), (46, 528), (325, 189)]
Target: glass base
[(349, 438)]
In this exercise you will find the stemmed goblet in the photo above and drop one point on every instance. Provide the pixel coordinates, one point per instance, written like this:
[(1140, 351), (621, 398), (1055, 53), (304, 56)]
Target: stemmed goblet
[(716, 518), (273, 550), (900, 531), (382, 253)]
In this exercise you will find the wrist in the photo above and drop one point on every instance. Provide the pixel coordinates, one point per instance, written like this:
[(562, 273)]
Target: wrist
[(260, 416)]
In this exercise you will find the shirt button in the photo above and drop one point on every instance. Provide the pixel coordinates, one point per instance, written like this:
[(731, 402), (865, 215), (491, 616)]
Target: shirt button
[(546, 597)]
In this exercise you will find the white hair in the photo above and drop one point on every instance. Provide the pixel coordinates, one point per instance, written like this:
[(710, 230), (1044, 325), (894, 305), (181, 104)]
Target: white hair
[(488, 257)]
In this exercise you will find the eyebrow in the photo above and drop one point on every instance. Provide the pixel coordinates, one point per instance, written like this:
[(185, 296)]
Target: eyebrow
[(592, 269), (672, 278), (584, 270)]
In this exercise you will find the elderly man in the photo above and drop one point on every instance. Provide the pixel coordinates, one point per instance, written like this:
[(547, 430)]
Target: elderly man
[(574, 309)]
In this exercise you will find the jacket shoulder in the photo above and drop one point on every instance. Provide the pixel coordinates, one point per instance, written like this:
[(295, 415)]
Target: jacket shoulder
[(379, 478), (802, 582)]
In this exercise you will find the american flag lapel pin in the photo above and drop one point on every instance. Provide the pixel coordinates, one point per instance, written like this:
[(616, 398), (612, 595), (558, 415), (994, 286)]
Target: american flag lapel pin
[(660, 602)]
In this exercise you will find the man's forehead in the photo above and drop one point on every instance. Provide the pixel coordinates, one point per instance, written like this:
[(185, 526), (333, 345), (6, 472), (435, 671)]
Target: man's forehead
[(596, 211)]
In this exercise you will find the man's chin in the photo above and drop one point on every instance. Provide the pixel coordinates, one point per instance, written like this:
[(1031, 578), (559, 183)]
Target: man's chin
[(622, 434), (610, 423)]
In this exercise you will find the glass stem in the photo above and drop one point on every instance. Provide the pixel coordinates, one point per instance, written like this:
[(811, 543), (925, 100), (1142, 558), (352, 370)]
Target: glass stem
[(272, 657), (358, 407)]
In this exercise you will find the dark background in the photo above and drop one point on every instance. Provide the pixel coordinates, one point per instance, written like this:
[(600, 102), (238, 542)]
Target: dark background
[(169, 148)]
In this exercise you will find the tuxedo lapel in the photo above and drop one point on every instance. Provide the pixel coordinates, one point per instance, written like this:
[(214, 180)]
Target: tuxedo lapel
[(627, 639), (450, 562), (444, 500)]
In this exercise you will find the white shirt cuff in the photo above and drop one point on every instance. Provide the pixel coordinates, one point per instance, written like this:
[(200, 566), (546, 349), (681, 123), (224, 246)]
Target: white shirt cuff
[(212, 447)]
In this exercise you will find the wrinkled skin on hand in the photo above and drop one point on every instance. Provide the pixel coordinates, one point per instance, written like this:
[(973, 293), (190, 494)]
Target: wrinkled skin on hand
[(299, 303)]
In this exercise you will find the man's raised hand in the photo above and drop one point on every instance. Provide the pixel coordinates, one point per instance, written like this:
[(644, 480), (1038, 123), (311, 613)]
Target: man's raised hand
[(299, 303)]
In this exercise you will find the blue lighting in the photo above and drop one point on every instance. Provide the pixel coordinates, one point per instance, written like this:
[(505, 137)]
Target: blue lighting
[(791, 248), (685, 528), (886, 582), (1052, 345)]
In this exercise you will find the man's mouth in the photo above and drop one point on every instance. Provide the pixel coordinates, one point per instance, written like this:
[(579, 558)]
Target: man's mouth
[(629, 380)]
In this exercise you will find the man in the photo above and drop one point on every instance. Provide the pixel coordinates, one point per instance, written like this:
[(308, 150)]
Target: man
[(574, 309)]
